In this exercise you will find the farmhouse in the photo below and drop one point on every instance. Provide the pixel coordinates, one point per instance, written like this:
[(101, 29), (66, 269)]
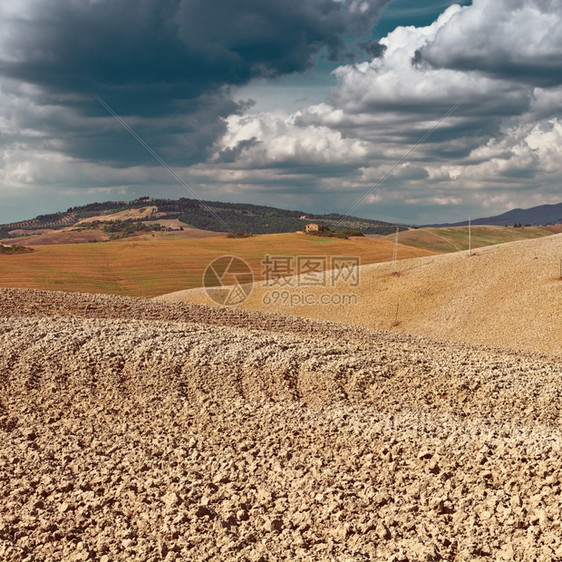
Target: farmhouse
[(313, 227)]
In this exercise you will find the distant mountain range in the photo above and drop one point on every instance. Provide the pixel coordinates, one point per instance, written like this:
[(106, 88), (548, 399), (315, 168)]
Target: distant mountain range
[(541, 215), (206, 215)]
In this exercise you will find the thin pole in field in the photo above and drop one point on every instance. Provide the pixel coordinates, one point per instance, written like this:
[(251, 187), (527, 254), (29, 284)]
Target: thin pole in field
[(395, 253), (469, 236)]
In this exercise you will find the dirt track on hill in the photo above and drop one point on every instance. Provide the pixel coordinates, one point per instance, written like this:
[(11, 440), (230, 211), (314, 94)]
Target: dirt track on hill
[(140, 430)]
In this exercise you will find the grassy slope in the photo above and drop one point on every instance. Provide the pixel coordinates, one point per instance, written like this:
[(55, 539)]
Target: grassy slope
[(153, 267), (453, 239)]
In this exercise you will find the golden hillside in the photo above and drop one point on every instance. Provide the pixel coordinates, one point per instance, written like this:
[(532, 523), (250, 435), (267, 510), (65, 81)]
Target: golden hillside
[(508, 295), (153, 266)]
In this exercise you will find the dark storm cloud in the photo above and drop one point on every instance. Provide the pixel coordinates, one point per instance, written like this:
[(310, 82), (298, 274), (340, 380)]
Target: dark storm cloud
[(153, 53), (152, 60), (373, 48), (229, 155)]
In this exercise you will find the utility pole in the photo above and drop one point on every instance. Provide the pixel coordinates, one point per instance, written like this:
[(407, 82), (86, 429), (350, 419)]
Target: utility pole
[(469, 236)]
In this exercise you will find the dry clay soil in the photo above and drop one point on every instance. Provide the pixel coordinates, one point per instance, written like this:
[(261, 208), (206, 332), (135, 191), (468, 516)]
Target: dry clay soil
[(142, 430)]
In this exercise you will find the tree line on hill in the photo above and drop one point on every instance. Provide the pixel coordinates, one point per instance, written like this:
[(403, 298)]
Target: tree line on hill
[(121, 228)]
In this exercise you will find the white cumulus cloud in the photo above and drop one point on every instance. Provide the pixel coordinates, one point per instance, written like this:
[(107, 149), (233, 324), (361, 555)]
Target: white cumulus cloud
[(517, 39), (268, 140)]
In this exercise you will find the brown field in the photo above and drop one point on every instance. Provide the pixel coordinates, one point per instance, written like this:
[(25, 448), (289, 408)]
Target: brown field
[(154, 429), (62, 236), (77, 235), (455, 239), (132, 429), (509, 295), (155, 266)]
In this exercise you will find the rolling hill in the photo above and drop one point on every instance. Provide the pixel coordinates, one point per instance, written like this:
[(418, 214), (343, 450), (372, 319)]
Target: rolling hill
[(455, 238), (141, 430), (507, 296), (152, 267), (204, 215)]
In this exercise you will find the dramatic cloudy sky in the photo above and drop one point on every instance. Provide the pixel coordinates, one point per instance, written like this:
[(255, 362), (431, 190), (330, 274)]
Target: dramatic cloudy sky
[(380, 107)]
